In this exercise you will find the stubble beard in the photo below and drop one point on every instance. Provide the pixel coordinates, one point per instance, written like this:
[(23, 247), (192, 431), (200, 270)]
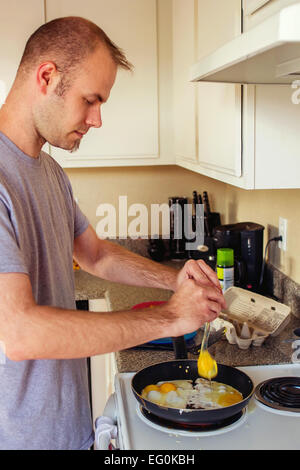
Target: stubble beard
[(49, 129), (75, 146), (47, 121), (61, 89)]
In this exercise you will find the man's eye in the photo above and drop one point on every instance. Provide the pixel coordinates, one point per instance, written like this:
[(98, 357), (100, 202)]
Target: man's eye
[(88, 102)]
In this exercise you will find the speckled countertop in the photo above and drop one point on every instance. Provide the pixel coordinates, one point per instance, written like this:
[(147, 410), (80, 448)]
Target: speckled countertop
[(122, 297)]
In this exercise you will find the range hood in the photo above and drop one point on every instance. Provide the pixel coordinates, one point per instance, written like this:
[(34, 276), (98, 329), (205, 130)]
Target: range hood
[(268, 53)]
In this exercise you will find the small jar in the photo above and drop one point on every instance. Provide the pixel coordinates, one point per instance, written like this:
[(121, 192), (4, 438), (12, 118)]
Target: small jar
[(225, 267)]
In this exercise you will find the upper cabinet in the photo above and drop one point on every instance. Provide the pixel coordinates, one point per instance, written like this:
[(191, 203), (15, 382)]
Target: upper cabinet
[(256, 11), (275, 141), (246, 134), (219, 105), (16, 27), (212, 110), (130, 131), (184, 92)]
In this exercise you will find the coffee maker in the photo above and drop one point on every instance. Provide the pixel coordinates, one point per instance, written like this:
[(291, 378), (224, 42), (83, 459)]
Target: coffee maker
[(246, 239)]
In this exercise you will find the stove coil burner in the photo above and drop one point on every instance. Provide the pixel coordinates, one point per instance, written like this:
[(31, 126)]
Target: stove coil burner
[(280, 393), (201, 427)]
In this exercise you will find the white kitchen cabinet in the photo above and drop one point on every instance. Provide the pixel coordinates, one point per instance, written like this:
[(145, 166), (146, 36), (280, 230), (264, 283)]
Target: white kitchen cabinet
[(256, 11), (218, 110), (16, 25), (130, 131), (184, 92), (276, 143), (247, 136), (219, 105)]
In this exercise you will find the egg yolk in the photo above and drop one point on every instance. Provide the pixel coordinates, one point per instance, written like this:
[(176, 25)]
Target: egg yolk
[(150, 388), (167, 387), (228, 399), (207, 366)]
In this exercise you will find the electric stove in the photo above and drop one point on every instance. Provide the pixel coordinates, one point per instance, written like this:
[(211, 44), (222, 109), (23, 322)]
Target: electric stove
[(260, 426)]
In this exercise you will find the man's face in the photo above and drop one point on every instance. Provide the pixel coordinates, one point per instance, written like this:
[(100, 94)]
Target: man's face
[(62, 120)]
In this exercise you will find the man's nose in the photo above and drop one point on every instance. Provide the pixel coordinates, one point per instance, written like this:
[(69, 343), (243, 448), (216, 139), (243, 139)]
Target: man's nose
[(94, 117)]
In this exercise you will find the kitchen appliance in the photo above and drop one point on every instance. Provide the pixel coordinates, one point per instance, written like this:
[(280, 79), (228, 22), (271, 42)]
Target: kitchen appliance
[(267, 53), (258, 427), (188, 370), (280, 393), (246, 239)]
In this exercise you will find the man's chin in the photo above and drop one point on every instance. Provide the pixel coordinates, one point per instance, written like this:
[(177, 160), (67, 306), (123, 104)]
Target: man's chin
[(66, 146), (75, 146)]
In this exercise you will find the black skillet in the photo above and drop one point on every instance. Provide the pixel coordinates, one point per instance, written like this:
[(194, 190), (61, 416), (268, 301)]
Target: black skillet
[(185, 369)]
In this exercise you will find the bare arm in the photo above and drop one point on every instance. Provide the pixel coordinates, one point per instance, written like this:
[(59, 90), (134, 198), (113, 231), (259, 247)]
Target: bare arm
[(114, 263), (31, 331)]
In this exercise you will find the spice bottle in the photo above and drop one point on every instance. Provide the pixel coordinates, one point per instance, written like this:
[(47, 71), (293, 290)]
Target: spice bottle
[(225, 267)]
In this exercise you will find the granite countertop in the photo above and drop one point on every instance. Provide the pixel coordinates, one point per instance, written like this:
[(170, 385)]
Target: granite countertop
[(122, 297)]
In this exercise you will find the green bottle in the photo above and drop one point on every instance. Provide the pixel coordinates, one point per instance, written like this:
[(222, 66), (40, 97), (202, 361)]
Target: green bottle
[(225, 267)]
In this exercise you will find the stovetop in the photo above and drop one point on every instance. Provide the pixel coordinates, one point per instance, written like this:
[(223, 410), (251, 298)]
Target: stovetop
[(260, 428)]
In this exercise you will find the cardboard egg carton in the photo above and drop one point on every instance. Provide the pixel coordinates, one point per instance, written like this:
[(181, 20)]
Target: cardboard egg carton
[(250, 318)]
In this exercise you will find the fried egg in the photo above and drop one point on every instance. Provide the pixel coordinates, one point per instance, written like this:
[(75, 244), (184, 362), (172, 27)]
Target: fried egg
[(173, 394), (182, 394), (182, 384), (210, 395)]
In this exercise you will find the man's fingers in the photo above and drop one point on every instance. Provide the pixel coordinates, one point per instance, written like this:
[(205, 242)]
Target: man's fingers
[(196, 272), (214, 307), (213, 294), (202, 273), (210, 274)]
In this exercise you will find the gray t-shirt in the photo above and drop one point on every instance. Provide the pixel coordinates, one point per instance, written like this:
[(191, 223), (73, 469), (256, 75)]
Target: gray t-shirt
[(44, 404)]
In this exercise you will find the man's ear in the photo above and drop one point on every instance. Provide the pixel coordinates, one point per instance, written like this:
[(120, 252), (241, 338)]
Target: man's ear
[(47, 77)]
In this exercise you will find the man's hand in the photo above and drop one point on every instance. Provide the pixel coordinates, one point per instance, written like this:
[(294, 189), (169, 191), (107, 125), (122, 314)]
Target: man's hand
[(198, 297), (192, 305), (200, 272)]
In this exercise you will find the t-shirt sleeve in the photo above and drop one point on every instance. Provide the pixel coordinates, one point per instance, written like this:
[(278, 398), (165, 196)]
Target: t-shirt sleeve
[(81, 222), (11, 258)]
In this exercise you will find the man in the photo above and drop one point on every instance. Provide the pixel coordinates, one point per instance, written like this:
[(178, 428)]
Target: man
[(67, 71)]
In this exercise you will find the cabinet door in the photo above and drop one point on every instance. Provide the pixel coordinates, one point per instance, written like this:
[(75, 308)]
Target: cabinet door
[(129, 134), (16, 27), (219, 105), (277, 152), (256, 11), (184, 102)]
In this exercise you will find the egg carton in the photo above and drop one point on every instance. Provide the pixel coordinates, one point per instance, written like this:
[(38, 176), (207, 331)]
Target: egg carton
[(240, 333), (250, 318)]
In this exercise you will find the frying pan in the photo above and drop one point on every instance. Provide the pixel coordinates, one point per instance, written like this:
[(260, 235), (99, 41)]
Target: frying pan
[(186, 369)]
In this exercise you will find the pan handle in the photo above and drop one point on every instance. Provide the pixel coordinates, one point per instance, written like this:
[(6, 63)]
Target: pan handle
[(180, 348)]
